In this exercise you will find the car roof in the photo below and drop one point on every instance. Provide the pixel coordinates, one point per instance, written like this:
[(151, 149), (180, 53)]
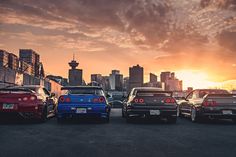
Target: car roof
[(80, 87)]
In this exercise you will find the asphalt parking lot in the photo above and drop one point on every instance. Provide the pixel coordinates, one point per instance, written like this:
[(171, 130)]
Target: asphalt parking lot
[(143, 138)]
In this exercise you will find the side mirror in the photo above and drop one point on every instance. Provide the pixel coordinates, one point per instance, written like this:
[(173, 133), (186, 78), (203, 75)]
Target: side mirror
[(53, 94)]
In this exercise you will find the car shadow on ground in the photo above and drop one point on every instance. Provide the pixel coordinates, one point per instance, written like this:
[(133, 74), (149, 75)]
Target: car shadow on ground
[(82, 121), (148, 121), (212, 121), (18, 120)]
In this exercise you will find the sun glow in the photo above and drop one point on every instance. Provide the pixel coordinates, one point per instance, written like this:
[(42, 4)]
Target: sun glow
[(195, 79)]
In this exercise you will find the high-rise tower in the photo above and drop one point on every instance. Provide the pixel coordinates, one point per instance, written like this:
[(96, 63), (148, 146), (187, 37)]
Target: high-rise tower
[(75, 75)]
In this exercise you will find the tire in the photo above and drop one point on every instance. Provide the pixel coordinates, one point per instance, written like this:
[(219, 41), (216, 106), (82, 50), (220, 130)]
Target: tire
[(44, 115), (171, 120), (195, 118)]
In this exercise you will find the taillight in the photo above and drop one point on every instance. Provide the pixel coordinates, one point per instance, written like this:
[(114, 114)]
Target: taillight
[(136, 100), (32, 98), (62, 99), (25, 98), (209, 103), (67, 100), (169, 101), (139, 100), (99, 100)]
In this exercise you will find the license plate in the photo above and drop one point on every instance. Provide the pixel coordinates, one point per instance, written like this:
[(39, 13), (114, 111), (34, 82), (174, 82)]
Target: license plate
[(227, 112), (8, 106), (81, 110), (154, 112)]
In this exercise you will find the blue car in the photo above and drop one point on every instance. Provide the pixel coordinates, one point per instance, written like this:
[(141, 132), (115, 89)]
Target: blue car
[(83, 102)]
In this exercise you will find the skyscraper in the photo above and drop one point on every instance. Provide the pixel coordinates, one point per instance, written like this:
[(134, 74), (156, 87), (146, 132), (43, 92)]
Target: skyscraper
[(4, 58), (13, 61), (153, 78), (135, 77), (75, 75), (32, 58), (96, 78), (165, 76), (116, 80)]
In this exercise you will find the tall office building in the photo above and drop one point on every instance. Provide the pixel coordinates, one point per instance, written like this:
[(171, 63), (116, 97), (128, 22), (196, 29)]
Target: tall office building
[(153, 78), (29, 56), (171, 83), (126, 84), (165, 76), (13, 61), (96, 78), (116, 80), (32, 58), (4, 58), (135, 77), (75, 75)]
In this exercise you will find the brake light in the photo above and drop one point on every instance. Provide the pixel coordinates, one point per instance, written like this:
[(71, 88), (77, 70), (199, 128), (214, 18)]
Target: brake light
[(62, 99), (32, 98), (136, 100), (169, 101), (209, 103), (67, 100), (25, 98), (99, 100), (140, 100)]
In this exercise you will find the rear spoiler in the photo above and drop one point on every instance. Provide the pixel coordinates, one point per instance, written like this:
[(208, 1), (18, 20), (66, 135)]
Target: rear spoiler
[(16, 90), (80, 87), (220, 95), (157, 92)]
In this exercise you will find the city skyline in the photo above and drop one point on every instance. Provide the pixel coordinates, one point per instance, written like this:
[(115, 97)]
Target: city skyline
[(172, 36), (184, 75)]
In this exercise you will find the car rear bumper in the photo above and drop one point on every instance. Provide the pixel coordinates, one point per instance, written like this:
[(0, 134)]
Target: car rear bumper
[(147, 112), (71, 111), (87, 115), (218, 113), (25, 112)]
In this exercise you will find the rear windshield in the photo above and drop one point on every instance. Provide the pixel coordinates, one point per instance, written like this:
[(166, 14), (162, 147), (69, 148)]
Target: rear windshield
[(16, 90), (154, 93), (205, 92), (98, 92)]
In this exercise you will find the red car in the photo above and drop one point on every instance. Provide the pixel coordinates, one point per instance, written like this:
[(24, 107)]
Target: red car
[(30, 102)]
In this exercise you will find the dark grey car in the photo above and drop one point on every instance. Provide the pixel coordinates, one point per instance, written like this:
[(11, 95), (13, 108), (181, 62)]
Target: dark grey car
[(208, 103), (144, 102)]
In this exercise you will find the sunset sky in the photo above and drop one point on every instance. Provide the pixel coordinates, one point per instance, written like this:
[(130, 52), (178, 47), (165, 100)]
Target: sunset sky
[(195, 38)]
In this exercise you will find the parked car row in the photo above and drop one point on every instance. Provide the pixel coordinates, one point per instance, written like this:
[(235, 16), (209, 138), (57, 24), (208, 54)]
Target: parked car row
[(35, 102)]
